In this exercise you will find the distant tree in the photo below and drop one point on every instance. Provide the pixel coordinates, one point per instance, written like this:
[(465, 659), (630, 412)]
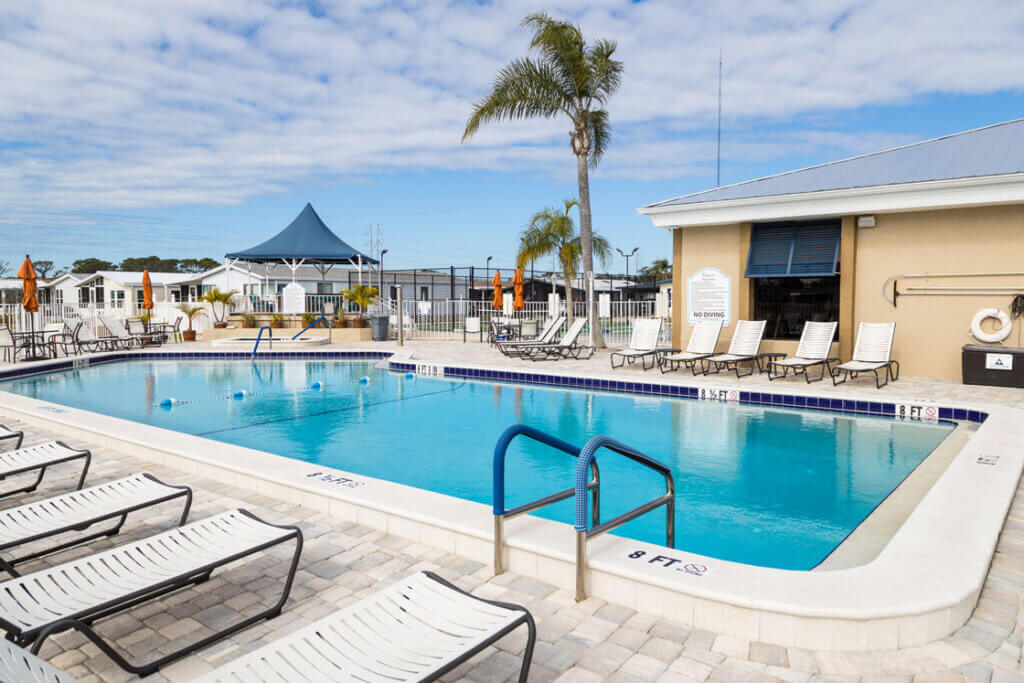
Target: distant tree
[(91, 265), (552, 231), (189, 265), (45, 269), (4, 267), (658, 270), (208, 263), (152, 263)]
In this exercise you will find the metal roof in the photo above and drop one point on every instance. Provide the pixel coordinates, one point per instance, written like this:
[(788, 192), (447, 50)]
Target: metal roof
[(997, 149), (306, 238)]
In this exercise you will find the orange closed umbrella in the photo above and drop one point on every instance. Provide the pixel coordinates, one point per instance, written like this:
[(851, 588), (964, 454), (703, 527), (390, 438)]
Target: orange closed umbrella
[(496, 281), (28, 286), (517, 280), (147, 291)]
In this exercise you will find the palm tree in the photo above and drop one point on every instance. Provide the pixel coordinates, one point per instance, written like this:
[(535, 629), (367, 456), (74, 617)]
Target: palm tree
[(552, 231), (659, 269), (570, 77), (215, 296)]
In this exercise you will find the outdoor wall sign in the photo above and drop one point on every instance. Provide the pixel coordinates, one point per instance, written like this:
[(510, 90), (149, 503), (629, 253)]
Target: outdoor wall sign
[(708, 296), (999, 361), (721, 394), (918, 409), (293, 299)]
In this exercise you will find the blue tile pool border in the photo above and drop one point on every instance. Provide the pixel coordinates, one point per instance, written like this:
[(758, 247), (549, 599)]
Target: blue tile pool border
[(819, 403)]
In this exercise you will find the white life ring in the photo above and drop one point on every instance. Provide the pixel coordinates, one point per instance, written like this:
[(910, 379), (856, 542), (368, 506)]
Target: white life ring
[(991, 337)]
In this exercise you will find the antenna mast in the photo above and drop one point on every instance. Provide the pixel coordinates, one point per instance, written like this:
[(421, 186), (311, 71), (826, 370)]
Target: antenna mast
[(718, 154)]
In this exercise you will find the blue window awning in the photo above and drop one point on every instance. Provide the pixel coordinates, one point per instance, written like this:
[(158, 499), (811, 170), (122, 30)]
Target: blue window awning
[(794, 249)]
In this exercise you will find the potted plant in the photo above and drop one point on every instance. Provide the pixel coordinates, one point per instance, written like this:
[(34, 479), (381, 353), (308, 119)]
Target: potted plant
[(340, 321), (215, 296), (276, 321), (248, 320), (308, 318), (191, 312), (362, 296)]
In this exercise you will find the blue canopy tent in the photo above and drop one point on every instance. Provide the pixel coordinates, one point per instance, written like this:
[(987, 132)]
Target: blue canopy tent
[(307, 239)]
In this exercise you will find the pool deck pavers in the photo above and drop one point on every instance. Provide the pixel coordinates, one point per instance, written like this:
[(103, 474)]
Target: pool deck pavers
[(588, 641)]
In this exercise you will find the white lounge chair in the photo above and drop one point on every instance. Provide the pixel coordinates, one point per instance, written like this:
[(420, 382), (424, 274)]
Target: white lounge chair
[(10, 440), (815, 345), (137, 329), (79, 510), (871, 353), (546, 336), (96, 586), (566, 347), (744, 348), (84, 340), (117, 329), (40, 457), (21, 666), (417, 629), (703, 341), (643, 343)]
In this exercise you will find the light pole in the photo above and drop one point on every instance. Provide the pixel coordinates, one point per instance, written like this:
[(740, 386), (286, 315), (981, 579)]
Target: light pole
[(487, 277), (627, 256), (380, 270)]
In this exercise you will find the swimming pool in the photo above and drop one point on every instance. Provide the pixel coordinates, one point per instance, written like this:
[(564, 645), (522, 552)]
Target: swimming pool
[(764, 486)]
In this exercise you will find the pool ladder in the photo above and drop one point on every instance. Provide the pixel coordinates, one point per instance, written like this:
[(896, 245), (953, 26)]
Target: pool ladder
[(587, 481), (259, 337)]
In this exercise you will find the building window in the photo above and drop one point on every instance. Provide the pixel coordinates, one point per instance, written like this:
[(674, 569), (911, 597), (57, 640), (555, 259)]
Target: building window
[(140, 298), (788, 302), (393, 292), (794, 273), (325, 288), (58, 297), (117, 298), (424, 293)]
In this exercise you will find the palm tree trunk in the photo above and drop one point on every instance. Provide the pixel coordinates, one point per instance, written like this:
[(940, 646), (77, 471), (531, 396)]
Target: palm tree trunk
[(586, 244), (568, 294)]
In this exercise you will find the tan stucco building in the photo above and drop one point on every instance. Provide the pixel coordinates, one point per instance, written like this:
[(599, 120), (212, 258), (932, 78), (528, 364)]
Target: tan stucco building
[(852, 241)]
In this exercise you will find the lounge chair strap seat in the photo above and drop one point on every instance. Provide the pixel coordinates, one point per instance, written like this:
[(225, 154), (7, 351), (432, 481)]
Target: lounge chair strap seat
[(413, 630), (21, 666), (862, 366), (34, 457), (685, 355), (797, 362), (65, 512), (87, 586), (728, 358), (633, 352)]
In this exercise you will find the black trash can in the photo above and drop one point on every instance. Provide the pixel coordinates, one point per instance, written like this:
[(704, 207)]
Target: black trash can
[(996, 366), (379, 327)]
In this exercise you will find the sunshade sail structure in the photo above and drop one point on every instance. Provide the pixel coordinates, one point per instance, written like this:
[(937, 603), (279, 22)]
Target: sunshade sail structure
[(308, 239)]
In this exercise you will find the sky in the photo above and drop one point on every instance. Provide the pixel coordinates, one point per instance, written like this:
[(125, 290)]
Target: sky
[(192, 128)]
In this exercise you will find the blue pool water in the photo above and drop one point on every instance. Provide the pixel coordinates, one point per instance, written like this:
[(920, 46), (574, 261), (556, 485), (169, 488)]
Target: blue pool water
[(765, 486)]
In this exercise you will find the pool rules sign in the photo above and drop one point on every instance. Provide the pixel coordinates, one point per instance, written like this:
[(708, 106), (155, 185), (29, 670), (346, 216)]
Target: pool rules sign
[(708, 296)]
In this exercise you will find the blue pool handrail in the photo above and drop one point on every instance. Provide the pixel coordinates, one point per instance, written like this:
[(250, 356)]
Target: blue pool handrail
[(501, 514), (270, 337), (303, 330), (587, 478)]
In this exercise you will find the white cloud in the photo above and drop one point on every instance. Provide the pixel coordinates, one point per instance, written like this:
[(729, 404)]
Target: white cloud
[(139, 105)]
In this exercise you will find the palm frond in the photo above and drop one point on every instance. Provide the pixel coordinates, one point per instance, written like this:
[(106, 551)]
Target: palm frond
[(600, 135), (523, 89), (605, 72)]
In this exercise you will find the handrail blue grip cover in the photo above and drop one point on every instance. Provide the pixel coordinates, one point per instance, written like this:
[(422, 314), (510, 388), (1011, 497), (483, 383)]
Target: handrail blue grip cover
[(499, 457), (300, 332), (586, 456), (259, 337)]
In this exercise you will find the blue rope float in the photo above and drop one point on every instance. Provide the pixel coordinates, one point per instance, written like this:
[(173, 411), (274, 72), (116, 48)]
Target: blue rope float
[(170, 401)]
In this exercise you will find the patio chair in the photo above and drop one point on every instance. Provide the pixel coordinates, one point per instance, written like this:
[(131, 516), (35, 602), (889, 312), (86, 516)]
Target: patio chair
[(117, 330), (67, 338), (17, 665), (12, 346), (643, 343), (417, 629), (814, 347), (703, 341), (40, 457), (85, 340), (79, 510), (871, 353), (109, 582), (547, 336), (137, 329), (566, 347), (744, 347), (10, 440)]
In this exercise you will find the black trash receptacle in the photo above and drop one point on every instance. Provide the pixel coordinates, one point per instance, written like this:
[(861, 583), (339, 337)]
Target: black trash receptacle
[(379, 327), (997, 366)]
